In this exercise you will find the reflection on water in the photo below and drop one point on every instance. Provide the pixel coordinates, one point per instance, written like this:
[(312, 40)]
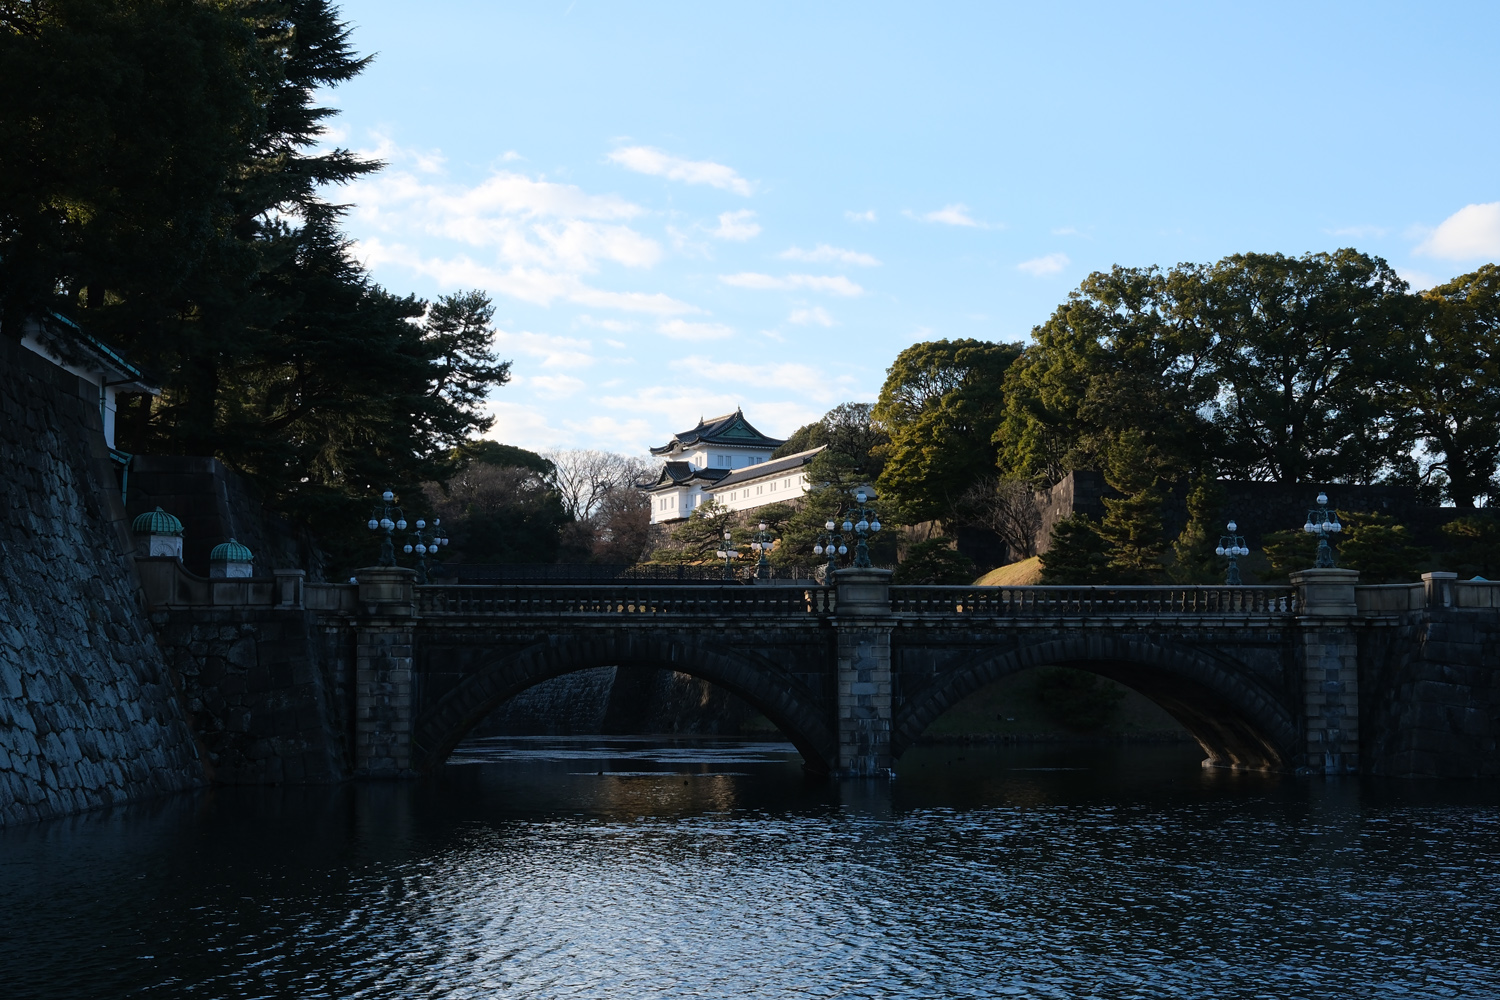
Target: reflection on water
[(627, 868)]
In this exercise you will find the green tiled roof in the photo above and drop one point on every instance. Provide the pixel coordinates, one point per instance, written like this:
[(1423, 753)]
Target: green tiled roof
[(156, 522), (230, 551)]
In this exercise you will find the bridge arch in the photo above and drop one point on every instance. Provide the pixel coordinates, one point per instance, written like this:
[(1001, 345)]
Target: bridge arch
[(1236, 721), (787, 703)]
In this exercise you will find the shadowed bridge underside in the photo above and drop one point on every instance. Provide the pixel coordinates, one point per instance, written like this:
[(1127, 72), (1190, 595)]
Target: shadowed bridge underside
[(794, 709), (1236, 721)]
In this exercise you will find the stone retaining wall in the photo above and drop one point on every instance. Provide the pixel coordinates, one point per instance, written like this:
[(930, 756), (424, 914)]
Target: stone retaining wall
[(266, 691), (1432, 695), (88, 714)]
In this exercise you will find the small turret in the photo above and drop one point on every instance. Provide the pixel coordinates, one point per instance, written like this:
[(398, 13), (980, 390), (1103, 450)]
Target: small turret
[(163, 533), (230, 560)]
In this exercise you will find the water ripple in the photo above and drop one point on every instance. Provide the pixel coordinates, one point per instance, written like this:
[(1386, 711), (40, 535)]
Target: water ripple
[(1008, 873)]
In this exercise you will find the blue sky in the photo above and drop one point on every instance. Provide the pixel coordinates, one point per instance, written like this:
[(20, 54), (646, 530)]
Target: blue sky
[(681, 208)]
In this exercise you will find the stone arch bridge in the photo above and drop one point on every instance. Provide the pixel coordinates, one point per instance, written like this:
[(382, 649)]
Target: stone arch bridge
[(1320, 677)]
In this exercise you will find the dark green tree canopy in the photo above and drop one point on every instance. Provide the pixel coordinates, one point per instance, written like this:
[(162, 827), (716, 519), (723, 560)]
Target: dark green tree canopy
[(160, 188), (1449, 397), (1307, 355), (1115, 357), (939, 406), (1286, 367)]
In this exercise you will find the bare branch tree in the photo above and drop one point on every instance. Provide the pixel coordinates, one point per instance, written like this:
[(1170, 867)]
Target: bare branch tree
[(585, 476), (1007, 506)]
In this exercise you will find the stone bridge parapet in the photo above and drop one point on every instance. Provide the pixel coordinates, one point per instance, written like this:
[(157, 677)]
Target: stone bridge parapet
[(1322, 677)]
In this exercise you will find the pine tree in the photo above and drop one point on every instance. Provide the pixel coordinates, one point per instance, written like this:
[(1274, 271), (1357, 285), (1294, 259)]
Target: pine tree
[(1132, 522), (1382, 550), (1194, 548), (1076, 554), (935, 561)]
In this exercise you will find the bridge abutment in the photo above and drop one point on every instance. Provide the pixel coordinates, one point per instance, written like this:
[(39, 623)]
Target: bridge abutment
[(385, 675), (1328, 648), (864, 707)]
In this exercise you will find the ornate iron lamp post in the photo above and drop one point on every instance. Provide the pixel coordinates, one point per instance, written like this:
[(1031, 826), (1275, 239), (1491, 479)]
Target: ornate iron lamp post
[(423, 545), (761, 542), (1233, 546), (1323, 522), (390, 518), (381, 520), (867, 525), (860, 522), (832, 543), (729, 553)]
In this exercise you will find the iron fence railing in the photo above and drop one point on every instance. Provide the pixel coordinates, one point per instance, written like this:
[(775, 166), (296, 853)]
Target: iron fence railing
[(707, 600), (579, 574), (1101, 601)]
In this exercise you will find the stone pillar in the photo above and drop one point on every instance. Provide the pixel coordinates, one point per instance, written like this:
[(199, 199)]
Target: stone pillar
[(1329, 649), (863, 619), (289, 586), (384, 681), (1438, 589)]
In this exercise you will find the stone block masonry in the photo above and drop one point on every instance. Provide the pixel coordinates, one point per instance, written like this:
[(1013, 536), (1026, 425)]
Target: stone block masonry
[(265, 692), (88, 711)]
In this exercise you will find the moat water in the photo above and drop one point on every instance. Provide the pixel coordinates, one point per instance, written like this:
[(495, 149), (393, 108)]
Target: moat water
[(628, 868)]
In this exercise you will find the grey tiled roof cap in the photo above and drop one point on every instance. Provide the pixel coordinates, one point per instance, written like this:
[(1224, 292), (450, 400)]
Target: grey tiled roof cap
[(678, 473), (765, 470), (730, 429)]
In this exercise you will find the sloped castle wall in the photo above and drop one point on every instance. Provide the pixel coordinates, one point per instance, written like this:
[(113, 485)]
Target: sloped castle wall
[(88, 715)]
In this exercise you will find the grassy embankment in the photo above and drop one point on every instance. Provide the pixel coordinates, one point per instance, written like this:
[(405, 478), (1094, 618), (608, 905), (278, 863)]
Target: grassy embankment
[(1050, 703)]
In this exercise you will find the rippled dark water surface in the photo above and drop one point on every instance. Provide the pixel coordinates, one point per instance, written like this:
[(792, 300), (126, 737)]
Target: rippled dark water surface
[(614, 868)]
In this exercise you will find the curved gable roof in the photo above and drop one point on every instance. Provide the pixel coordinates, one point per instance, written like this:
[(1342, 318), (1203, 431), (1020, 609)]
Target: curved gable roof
[(681, 474), (731, 429)]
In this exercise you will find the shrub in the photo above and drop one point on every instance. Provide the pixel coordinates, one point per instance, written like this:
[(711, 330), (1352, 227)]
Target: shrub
[(934, 561)]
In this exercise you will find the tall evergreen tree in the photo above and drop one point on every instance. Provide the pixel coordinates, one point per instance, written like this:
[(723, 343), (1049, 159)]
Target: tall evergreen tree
[(1076, 554), (1132, 525), (940, 405), (1193, 549), (1450, 392), (1308, 355)]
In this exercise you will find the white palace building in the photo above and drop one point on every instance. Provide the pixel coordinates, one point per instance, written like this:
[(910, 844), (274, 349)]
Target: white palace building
[(724, 459)]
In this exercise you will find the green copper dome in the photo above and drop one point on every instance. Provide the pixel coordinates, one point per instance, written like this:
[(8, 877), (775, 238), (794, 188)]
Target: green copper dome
[(230, 551), (156, 522)]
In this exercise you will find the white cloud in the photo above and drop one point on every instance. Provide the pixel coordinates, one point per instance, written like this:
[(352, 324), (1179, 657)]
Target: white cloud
[(1040, 267), (552, 386), (684, 243), (645, 160), (833, 284), (612, 325), (538, 286), (1358, 232), (1066, 231), (681, 330), (810, 317), (1471, 232), (510, 156), (956, 214), (823, 253), (1419, 281), (805, 381), (736, 226), (865, 216), (386, 149), (523, 425), (631, 436), (547, 350), (523, 237), (676, 406)]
